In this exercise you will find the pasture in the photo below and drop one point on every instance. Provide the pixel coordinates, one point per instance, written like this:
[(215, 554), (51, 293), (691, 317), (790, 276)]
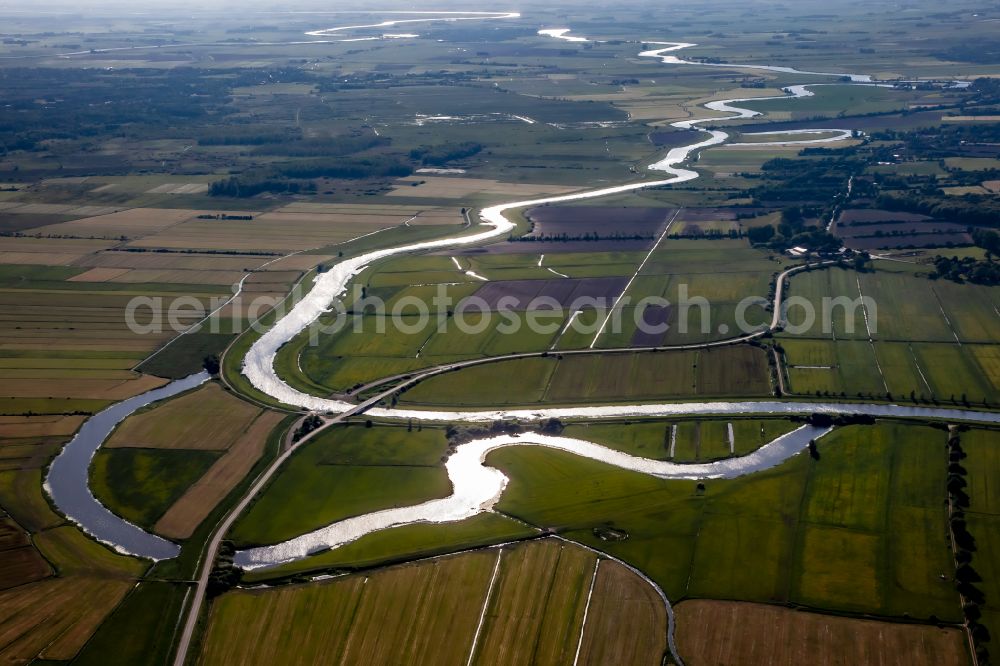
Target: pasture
[(831, 100), (142, 628), (206, 419), (343, 472), (935, 339), (806, 532), (560, 379), (984, 515), (141, 484)]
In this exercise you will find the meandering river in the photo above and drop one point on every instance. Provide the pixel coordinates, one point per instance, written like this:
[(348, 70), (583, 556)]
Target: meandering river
[(476, 487), (68, 482)]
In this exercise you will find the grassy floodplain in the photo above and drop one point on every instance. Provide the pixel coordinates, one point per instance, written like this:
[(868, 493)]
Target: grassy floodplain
[(347, 471), (859, 530), (608, 377)]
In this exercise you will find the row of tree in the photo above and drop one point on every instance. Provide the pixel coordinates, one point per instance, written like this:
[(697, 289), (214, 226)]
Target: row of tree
[(970, 209), (966, 269), (964, 545), (440, 155)]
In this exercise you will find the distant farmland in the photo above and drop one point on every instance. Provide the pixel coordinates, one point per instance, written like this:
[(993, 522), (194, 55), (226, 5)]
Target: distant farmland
[(603, 222)]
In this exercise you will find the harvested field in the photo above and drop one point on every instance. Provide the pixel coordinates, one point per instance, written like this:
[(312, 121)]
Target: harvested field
[(535, 611), (190, 510), (422, 613), (173, 261), (623, 600), (46, 251), (179, 188), (299, 262), (428, 613), (719, 633), (281, 231), (605, 222), (449, 187), (53, 619), (38, 426), (179, 277), (207, 419), (20, 562), (99, 275), (350, 209), (96, 389), (562, 291), (20, 566), (132, 223)]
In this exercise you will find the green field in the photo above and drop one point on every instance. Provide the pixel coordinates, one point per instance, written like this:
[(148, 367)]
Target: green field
[(934, 340), (344, 472), (724, 371), (694, 440), (141, 484), (859, 530), (142, 628)]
